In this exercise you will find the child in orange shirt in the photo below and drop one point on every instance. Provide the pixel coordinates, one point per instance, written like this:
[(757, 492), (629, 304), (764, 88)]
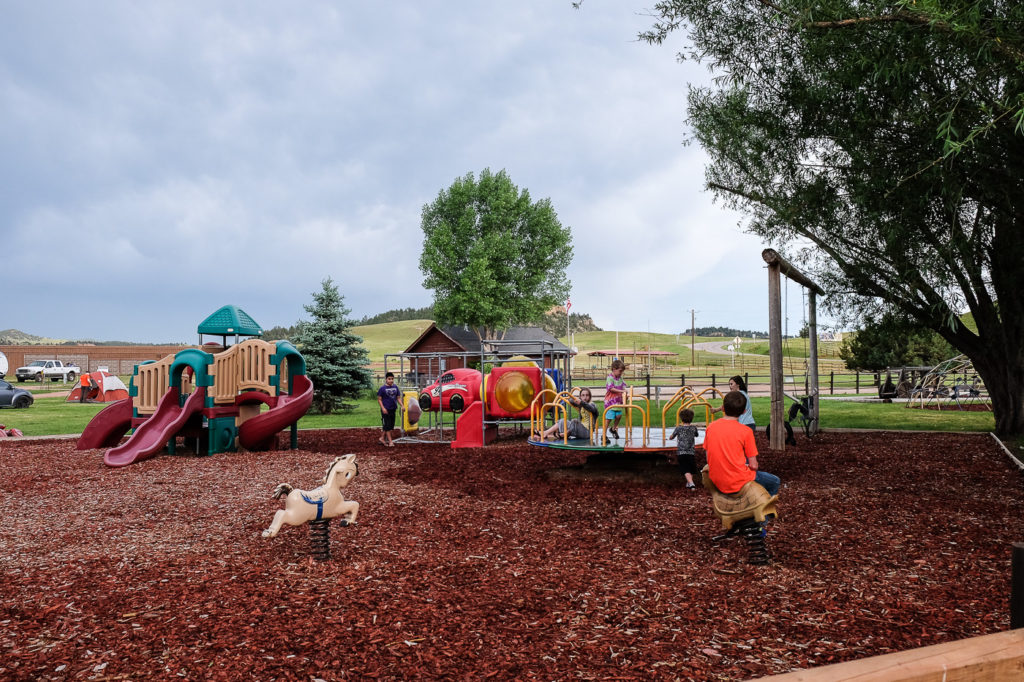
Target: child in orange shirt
[(732, 452)]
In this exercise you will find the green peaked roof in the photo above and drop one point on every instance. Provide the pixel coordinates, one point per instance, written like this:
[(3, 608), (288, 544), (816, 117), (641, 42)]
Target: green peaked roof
[(230, 320)]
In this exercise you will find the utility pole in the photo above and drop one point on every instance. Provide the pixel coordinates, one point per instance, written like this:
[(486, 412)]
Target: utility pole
[(693, 333)]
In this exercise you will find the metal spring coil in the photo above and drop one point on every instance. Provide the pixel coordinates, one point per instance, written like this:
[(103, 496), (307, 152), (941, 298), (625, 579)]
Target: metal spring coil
[(320, 539), (757, 549)]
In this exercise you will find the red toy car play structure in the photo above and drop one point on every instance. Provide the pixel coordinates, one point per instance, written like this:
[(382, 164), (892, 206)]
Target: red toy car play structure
[(505, 393)]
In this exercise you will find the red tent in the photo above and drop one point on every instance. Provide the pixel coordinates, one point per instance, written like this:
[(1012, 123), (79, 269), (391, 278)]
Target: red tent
[(107, 388)]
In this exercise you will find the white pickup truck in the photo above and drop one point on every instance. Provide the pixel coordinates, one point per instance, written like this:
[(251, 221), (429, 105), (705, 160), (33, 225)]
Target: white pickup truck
[(54, 370)]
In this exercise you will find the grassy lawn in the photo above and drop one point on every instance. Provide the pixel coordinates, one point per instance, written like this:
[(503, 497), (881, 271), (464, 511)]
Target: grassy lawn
[(52, 416), (37, 388), (795, 348)]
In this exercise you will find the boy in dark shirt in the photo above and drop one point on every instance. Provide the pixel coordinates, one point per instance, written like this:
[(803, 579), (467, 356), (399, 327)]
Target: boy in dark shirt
[(388, 397)]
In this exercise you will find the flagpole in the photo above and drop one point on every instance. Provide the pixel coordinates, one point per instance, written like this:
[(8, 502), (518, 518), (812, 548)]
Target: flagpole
[(568, 339), (568, 304)]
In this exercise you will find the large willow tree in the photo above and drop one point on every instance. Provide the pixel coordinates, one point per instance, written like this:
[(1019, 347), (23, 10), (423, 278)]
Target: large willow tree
[(882, 143)]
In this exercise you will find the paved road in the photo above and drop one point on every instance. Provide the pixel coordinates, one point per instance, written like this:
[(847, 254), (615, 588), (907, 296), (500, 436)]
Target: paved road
[(721, 348)]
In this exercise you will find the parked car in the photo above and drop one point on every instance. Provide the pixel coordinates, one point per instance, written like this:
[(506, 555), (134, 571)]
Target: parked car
[(14, 397)]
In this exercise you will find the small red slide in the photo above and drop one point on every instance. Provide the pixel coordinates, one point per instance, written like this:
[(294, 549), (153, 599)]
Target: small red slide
[(258, 433), (108, 426), (152, 435)]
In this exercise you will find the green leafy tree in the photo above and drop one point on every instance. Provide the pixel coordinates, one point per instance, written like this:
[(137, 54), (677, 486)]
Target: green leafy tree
[(893, 341), (883, 142), (493, 257), (335, 358)]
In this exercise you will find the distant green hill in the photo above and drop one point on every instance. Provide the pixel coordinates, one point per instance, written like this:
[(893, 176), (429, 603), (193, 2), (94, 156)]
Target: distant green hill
[(390, 337), (15, 337)]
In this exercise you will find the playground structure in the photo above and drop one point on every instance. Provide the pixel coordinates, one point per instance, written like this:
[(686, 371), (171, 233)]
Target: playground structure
[(481, 402), (953, 382), (472, 404), (742, 513), (214, 401), (639, 436)]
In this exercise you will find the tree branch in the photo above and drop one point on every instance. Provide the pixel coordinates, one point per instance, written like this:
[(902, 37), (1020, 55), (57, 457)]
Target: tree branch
[(904, 17)]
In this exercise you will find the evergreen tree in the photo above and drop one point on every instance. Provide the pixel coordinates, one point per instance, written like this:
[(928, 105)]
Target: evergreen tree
[(335, 358)]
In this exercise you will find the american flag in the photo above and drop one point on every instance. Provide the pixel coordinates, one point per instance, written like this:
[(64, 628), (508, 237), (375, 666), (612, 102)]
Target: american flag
[(568, 304)]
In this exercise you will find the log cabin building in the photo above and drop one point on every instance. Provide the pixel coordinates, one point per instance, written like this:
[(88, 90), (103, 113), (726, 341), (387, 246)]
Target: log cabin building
[(439, 349)]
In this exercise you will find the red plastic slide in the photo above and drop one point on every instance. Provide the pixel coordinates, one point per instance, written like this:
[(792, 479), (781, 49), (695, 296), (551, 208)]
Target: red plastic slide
[(258, 432), (152, 435), (108, 426)]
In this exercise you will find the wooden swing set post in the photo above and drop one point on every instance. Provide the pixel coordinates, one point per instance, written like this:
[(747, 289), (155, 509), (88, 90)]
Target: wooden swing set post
[(778, 266)]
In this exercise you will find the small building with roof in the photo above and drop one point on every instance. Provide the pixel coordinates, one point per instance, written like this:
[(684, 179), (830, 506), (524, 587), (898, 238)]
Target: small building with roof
[(440, 349)]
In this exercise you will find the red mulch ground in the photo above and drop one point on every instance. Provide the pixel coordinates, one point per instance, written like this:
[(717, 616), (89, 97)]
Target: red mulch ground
[(476, 563)]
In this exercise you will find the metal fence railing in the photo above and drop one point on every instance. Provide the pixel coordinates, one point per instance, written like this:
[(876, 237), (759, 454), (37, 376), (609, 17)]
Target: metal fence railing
[(664, 384)]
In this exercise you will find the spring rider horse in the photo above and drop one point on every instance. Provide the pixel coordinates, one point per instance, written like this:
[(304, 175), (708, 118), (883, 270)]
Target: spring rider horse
[(744, 513), (318, 506)]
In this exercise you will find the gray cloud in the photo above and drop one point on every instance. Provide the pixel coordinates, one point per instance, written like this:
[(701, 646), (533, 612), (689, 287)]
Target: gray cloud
[(242, 152)]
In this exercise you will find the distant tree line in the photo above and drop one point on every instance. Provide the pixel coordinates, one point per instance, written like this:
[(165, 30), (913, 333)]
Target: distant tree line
[(725, 331), (277, 333), (399, 315), (281, 333)]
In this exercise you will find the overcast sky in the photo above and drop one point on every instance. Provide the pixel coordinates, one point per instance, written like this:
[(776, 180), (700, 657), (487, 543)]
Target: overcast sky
[(196, 154)]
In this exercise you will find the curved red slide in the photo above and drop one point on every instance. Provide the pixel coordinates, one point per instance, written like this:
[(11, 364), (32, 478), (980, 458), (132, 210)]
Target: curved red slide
[(108, 426), (152, 435), (258, 433)]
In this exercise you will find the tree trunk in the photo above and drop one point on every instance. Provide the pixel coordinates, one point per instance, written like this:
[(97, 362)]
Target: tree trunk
[(1005, 384)]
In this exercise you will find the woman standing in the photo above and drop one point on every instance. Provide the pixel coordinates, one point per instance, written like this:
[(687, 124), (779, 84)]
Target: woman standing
[(737, 383)]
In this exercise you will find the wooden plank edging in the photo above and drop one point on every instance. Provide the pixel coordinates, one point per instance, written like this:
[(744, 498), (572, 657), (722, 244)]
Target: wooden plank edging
[(1020, 464), (998, 656)]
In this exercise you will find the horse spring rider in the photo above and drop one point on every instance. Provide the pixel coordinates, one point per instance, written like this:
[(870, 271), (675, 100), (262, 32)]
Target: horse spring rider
[(325, 502)]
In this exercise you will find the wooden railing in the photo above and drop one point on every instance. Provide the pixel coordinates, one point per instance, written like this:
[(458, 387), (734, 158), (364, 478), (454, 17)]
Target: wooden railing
[(152, 381), (240, 368)]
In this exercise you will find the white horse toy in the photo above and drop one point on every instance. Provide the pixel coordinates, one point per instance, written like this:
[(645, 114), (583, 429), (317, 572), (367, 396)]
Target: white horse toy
[(325, 502)]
